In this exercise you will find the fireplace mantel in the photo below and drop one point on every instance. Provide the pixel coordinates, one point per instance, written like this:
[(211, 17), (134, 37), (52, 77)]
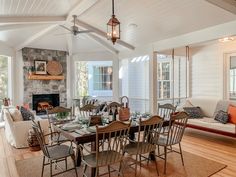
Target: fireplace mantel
[(45, 77)]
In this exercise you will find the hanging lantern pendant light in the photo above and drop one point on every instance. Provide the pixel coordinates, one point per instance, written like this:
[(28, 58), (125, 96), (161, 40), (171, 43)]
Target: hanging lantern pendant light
[(113, 27)]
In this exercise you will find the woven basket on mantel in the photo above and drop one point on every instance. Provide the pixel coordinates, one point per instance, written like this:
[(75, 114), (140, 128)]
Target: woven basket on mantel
[(54, 68)]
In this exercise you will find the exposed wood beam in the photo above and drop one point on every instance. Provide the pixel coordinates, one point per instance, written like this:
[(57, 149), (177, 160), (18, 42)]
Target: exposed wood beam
[(102, 33), (102, 43), (36, 36), (25, 20), (80, 8)]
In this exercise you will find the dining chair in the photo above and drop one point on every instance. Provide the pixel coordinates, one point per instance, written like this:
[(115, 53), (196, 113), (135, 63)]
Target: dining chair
[(52, 118), (109, 148), (174, 136), (54, 153), (165, 110), (148, 134), (88, 110)]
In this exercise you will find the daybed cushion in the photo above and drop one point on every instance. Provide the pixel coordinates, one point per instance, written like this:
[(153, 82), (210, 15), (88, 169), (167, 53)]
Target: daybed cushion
[(212, 124), (207, 105)]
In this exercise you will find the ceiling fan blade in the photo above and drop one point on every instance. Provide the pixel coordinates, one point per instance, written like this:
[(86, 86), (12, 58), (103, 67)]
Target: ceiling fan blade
[(66, 28), (85, 31), (61, 34)]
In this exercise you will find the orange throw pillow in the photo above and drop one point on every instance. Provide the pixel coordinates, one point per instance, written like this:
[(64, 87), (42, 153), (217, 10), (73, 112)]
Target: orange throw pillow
[(232, 114)]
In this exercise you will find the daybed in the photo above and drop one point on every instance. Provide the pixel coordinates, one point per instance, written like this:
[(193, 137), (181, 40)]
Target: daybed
[(210, 107)]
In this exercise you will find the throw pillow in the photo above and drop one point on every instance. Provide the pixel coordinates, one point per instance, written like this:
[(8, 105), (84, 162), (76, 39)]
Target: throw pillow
[(222, 117), (232, 114), (194, 112), (15, 115), (26, 114), (187, 103), (221, 105)]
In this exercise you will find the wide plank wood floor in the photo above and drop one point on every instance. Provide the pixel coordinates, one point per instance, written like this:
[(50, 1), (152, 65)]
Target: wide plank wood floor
[(215, 147)]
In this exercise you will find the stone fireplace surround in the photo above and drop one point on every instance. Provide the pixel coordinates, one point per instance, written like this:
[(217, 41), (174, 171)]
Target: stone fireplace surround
[(32, 87)]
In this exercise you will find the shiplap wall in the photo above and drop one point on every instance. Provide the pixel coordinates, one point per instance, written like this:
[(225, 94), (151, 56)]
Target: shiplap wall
[(207, 67)]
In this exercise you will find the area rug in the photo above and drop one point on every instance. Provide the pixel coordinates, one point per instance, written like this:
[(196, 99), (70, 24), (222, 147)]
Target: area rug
[(195, 166)]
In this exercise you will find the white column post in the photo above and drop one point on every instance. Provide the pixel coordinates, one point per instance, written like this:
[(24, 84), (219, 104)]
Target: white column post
[(153, 82), (115, 81)]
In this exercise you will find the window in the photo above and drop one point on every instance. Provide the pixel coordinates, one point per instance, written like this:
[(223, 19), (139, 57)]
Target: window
[(102, 78), (4, 86), (171, 79), (232, 78), (164, 81), (93, 78)]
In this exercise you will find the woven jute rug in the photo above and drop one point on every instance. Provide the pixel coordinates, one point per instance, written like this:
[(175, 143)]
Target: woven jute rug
[(195, 166)]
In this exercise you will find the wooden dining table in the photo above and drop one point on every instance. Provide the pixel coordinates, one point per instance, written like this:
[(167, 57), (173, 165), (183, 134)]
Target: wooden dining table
[(90, 137)]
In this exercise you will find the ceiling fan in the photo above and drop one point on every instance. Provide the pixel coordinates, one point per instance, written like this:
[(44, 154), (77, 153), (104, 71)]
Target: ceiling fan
[(74, 29)]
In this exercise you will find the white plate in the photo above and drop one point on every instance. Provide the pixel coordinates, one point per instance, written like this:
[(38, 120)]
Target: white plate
[(70, 126), (92, 129)]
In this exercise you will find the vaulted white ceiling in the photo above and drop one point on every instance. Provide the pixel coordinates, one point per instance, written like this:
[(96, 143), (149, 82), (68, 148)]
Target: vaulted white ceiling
[(31, 23)]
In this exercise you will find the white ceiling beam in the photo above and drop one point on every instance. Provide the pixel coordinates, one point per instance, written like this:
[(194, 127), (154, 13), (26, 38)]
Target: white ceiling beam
[(102, 33), (17, 26), (25, 20), (36, 36), (80, 8), (102, 43)]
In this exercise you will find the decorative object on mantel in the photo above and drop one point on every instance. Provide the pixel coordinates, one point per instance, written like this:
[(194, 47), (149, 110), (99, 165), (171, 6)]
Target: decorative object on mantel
[(54, 68), (40, 67), (113, 27), (45, 77)]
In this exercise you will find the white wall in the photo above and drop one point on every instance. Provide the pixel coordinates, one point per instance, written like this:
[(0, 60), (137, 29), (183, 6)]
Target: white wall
[(207, 69)]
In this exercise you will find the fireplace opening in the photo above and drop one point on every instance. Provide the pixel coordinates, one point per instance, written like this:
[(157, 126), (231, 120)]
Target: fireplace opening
[(42, 102)]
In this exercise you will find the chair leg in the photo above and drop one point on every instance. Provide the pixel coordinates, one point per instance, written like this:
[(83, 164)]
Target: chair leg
[(84, 170), (158, 148), (97, 172), (109, 170), (165, 152), (50, 168), (140, 161), (66, 162), (181, 153), (156, 165), (73, 159), (43, 166), (120, 168), (136, 164)]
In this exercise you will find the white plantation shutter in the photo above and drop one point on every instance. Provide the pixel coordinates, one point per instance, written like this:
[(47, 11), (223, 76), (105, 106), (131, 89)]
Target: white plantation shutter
[(134, 82)]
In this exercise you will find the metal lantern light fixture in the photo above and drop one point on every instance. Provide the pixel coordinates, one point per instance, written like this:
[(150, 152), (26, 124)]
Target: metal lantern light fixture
[(113, 27)]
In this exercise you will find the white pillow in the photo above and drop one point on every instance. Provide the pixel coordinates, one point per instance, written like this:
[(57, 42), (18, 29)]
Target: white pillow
[(16, 115), (187, 103)]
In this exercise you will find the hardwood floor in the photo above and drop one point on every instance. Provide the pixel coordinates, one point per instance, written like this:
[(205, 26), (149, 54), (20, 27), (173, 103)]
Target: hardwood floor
[(215, 147)]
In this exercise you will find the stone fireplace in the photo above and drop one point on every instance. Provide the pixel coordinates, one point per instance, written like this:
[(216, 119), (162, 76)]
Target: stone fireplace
[(42, 102), (40, 87)]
